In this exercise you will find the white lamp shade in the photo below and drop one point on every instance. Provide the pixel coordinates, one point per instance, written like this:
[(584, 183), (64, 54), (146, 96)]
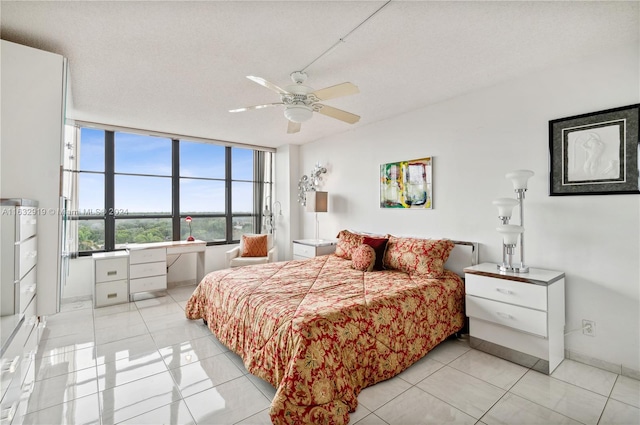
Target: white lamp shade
[(317, 201), (510, 233), (505, 206), (519, 178), (298, 113)]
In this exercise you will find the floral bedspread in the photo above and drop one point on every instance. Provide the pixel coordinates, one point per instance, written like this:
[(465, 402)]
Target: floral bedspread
[(320, 331)]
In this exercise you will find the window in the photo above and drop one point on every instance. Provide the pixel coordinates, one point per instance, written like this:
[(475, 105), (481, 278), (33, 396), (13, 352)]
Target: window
[(136, 188)]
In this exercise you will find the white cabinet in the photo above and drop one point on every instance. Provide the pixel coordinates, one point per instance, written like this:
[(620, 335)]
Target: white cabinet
[(148, 270), (19, 321), (309, 248), (110, 278), (517, 316), (33, 84)]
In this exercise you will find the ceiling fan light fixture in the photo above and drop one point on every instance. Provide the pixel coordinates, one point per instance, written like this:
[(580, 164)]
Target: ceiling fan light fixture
[(298, 113)]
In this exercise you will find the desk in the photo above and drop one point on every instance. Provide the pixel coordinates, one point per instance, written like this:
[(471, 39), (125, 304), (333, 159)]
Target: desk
[(152, 254)]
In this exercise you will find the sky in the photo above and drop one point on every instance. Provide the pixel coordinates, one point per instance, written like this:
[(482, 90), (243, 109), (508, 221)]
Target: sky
[(152, 155)]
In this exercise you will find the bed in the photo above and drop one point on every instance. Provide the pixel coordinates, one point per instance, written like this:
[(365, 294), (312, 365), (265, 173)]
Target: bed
[(320, 330)]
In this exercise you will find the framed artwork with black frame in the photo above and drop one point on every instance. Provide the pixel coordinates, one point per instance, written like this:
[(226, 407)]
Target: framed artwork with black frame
[(595, 153)]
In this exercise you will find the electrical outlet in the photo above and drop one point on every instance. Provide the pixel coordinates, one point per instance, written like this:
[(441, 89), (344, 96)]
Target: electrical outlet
[(588, 327)]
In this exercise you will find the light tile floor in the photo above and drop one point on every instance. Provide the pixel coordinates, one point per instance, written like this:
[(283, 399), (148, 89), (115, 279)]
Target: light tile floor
[(144, 363)]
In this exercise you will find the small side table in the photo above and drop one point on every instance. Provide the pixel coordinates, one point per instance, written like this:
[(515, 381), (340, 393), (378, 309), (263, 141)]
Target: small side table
[(309, 248), (517, 316)]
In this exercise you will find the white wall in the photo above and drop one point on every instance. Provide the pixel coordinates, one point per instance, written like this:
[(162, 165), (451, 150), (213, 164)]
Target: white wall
[(475, 139)]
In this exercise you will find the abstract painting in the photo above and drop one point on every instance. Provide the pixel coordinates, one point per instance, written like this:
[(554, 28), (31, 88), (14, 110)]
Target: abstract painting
[(407, 184)]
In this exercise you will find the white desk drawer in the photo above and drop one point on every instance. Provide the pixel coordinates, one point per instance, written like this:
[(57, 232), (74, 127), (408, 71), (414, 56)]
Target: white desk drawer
[(111, 269), (512, 292), (26, 223), (521, 318), (306, 251), (111, 293), (138, 256), (145, 284), (148, 269)]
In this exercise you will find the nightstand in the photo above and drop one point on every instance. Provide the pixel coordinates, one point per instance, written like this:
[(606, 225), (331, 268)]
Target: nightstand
[(309, 248), (517, 316)]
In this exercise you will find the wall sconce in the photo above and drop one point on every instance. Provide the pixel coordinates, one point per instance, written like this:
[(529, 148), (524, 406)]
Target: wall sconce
[(310, 183), (270, 214), (317, 202), (511, 233)]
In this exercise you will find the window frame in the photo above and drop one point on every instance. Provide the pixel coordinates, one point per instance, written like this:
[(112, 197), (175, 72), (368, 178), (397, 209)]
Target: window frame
[(110, 214)]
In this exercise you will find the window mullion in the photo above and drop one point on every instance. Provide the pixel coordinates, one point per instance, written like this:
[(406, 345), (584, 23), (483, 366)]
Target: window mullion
[(228, 194), (109, 191), (175, 188)]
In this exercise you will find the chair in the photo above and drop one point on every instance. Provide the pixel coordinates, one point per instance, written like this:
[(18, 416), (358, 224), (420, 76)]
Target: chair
[(234, 256)]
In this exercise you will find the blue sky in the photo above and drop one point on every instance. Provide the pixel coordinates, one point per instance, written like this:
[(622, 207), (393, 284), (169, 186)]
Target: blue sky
[(152, 155)]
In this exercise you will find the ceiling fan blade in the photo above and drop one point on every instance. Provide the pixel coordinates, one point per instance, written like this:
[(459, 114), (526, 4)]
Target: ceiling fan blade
[(339, 90), (267, 84), (293, 127), (338, 114), (248, 108)]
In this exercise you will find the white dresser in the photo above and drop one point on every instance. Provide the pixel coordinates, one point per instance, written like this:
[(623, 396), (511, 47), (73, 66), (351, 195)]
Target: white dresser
[(110, 278), (517, 316), (19, 330), (147, 270), (309, 248)]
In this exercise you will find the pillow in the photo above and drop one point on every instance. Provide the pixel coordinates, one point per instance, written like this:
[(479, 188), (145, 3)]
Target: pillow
[(418, 256), (379, 245), (254, 246), (347, 243), (363, 258)]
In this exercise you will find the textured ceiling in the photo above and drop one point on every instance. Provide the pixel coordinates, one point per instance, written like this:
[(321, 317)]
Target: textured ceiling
[(179, 66)]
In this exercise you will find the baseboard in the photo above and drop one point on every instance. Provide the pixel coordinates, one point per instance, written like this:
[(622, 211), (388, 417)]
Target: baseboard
[(189, 282), (602, 364)]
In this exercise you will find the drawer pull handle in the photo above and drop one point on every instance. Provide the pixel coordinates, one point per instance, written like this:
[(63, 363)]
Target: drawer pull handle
[(112, 273), (504, 291), (114, 295), (505, 315), (7, 414), (11, 366)]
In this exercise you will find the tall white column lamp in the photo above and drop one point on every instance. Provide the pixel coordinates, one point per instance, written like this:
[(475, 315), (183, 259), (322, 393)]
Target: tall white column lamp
[(511, 233), (317, 202)]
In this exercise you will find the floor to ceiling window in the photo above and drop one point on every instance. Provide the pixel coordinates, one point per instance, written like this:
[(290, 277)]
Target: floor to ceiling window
[(135, 188)]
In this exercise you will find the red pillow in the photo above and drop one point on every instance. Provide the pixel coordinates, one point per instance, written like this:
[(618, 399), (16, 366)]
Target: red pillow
[(379, 245)]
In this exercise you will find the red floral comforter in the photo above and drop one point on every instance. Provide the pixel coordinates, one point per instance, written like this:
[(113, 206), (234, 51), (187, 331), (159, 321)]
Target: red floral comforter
[(320, 331)]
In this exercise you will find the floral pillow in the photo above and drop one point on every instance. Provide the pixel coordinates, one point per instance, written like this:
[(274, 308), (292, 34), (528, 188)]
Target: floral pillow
[(363, 258), (379, 245), (254, 246), (347, 243), (418, 256)]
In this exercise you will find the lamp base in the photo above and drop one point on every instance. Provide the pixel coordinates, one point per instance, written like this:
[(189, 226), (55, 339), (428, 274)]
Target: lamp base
[(513, 269)]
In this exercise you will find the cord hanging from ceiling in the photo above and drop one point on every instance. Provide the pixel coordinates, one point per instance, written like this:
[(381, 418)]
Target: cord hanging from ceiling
[(344, 38)]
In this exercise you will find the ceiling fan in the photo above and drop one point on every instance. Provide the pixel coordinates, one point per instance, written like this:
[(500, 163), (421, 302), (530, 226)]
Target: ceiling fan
[(300, 101)]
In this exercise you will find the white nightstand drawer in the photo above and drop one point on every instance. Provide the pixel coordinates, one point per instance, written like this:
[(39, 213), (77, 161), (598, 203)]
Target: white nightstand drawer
[(148, 269), (512, 292), (145, 284), (521, 318), (138, 256), (111, 293), (306, 251), (111, 269)]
